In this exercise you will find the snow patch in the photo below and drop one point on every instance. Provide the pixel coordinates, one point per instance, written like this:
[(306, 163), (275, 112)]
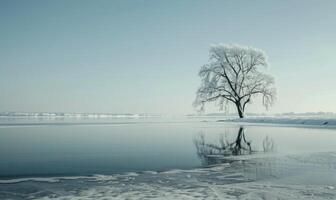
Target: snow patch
[(301, 121)]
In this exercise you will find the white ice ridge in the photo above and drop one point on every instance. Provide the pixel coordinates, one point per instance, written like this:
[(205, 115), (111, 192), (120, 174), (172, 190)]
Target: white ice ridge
[(47, 179)]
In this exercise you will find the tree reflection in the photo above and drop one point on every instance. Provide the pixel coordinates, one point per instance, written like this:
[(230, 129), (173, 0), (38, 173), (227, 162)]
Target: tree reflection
[(212, 153), (268, 144)]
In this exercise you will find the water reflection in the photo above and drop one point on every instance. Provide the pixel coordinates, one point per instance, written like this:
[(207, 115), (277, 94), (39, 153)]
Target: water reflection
[(268, 144), (225, 150)]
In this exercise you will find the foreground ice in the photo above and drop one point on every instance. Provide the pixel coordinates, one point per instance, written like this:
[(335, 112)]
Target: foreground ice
[(201, 191), (309, 176)]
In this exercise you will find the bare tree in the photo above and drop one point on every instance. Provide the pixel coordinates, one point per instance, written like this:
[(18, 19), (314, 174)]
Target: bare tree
[(234, 75)]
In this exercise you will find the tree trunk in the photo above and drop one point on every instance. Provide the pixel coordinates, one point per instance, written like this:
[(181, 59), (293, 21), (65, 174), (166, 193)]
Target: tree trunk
[(240, 110)]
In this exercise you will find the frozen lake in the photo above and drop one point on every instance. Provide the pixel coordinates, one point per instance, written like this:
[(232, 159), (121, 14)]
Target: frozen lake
[(177, 158)]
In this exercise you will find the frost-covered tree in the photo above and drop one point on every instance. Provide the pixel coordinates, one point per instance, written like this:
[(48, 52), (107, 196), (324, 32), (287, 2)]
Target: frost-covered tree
[(234, 74)]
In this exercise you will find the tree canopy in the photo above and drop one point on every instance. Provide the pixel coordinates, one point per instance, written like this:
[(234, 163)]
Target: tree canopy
[(234, 75)]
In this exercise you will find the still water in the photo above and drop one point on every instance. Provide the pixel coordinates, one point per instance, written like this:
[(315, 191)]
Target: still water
[(175, 158), (115, 146)]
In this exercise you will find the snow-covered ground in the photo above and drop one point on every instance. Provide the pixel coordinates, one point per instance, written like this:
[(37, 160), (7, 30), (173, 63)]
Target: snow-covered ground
[(321, 121)]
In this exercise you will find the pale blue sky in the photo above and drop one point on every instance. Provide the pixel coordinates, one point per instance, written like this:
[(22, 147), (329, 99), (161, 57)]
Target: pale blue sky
[(143, 56)]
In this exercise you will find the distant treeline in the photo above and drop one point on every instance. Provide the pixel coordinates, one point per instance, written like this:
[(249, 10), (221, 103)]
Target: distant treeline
[(61, 114)]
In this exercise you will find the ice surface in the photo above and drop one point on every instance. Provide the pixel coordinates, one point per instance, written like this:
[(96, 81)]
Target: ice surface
[(278, 177), (203, 191)]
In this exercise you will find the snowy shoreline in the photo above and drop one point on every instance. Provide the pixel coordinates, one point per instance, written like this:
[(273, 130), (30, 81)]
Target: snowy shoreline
[(286, 121)]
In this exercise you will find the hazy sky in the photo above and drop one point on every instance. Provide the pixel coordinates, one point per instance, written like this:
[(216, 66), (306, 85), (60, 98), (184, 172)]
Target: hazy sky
[(144, 56)]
